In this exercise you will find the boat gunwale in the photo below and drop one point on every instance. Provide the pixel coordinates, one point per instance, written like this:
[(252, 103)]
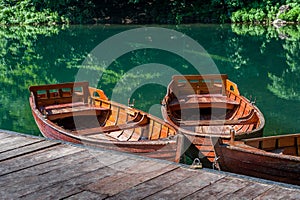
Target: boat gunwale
[(242, 147)]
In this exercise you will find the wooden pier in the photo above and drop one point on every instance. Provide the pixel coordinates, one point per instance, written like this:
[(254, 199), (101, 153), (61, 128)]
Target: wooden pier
[(36, 168)]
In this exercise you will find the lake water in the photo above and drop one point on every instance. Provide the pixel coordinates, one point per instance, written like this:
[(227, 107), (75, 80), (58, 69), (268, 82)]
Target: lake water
[(263, 61)]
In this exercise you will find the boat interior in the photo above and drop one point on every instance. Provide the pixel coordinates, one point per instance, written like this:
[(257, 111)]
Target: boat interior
[(209, 100), (283, 144)]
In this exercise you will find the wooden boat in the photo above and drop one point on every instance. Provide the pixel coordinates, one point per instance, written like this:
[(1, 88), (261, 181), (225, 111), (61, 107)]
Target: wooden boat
[(201, 106), (275, 158), (77, 113)]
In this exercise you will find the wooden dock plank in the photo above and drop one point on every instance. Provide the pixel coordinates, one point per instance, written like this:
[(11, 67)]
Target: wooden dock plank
[(33, 168), (13, 142), (252, 190), (224, 186), (32, 159), (63, 162), (156, 184), (122, 169), (70, 187), (24, 182), (82, 177), (29, 148), (84, 173), (28, 184), (138, 174), (188, 186), (280, 193), (4, 135), (86, 195)]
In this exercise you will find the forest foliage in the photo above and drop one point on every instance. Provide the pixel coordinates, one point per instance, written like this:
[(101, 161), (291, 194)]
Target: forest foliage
[(144, 11)]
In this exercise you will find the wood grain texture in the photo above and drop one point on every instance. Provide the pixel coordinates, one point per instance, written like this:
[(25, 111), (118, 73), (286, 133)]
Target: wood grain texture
[(62, 171)]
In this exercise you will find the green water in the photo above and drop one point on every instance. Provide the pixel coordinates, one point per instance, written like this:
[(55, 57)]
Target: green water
[(263, 61)]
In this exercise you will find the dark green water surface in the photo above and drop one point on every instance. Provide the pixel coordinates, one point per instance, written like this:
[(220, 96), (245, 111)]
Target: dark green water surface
[(263, 61)]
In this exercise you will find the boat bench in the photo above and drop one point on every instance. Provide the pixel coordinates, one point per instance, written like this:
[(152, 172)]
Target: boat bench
[(59, 111), (249, 119), (203, 101), (138, 121)]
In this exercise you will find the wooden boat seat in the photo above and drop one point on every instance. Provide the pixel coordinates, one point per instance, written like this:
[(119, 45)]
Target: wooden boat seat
[(249, 119), (203, 101), (59, 111), (138, 121)]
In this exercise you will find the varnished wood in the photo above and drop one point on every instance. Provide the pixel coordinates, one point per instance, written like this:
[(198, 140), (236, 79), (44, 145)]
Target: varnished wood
[(210, 105), (75, 112), (251, 118), (138, 121), (275, 157)]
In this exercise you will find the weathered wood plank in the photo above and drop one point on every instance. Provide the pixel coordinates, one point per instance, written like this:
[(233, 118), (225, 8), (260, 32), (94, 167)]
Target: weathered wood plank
[(40, 170), (156, 184), (225, 186), (139, 171), (29, 148), (4, 135), (109, 158), (71, 186), (34, 184), (252, 190), (73, 183), (28, 179), (13, 142), (45, 180), (32, 159), (86, 195), (188, 186), (280, 193), (121, 169)]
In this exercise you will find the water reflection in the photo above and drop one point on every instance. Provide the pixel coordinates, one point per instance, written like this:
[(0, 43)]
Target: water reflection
[(264, 61)]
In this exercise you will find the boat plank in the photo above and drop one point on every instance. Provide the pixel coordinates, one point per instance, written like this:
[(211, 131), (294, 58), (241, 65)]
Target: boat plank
[(126, 135), (188, 186), (286, 142), (136, 134), (156, 184)]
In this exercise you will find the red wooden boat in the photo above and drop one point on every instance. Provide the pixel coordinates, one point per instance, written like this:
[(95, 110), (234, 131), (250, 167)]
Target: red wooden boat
[(275, 158), (201, 106), (77, 113)]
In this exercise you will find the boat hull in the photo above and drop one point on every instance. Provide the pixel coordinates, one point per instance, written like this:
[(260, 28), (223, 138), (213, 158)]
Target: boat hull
[(258, 163)]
